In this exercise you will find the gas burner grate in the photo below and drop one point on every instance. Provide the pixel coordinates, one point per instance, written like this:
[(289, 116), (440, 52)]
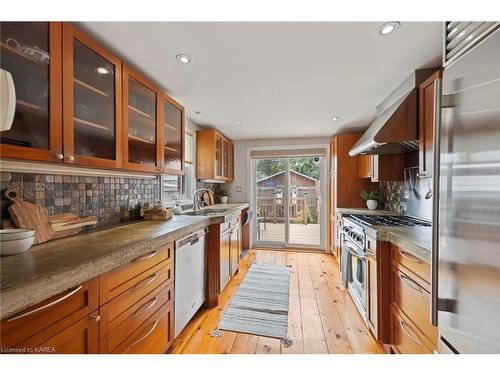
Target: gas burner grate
[(389, 220)]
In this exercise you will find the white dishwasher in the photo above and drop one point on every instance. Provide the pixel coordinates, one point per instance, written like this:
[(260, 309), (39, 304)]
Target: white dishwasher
[(189, 277)]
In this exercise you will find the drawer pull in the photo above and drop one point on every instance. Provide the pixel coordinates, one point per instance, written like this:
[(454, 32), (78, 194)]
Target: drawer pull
[(413, 258), (144, 282), (41, 308), (141, 311), (402, 325), (412, 284), (147, 256), (147, 334)]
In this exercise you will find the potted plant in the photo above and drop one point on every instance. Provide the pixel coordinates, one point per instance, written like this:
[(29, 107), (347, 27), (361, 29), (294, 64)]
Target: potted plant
[(220, 194), (371, 198)]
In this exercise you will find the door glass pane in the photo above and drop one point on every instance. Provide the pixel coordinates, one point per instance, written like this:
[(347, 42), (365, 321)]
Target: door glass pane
[(270, 196), (25, 55), (141, 124), (94, 103), (172, 147), (304, 207), (218, 156)]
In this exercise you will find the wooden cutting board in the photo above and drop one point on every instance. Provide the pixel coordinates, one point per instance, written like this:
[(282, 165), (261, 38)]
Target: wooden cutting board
[(29, 216)]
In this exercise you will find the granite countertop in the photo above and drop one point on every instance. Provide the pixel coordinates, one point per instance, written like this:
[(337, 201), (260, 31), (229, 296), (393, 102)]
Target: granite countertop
[(415, 240), (55, 266)]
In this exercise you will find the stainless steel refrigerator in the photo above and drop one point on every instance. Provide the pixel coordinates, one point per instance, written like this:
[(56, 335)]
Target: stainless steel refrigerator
[(466, 211)]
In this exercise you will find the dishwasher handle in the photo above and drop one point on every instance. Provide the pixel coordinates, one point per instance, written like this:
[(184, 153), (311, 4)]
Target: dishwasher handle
[(191, 239)]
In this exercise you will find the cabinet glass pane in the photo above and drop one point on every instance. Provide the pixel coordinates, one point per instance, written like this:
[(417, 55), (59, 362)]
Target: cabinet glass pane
[(94, 103), (225, 157), (25, 55), (218, 156), (172, 127), (141, 124)]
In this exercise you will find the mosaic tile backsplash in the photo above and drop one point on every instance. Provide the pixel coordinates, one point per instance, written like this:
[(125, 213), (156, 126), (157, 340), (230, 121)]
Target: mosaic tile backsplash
[(113, 200), (393, 195)]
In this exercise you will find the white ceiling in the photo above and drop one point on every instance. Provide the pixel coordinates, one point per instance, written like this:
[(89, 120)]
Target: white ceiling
[(279, 79)]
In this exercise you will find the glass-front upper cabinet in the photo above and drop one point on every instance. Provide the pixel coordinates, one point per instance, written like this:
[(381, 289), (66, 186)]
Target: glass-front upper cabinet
[(225, 158), (218, 156), (231, 161), (140, 122), (173, 136), (92, 106), (31, 53)]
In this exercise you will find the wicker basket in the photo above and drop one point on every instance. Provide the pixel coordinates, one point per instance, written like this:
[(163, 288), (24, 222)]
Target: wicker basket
[(152, 213)]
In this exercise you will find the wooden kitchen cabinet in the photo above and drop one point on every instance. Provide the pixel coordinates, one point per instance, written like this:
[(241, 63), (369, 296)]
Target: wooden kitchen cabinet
[(381, 168), (141, 113), (372, 288), (36, 132), (412, 331), (214, 156), (345, 186), (426, 93), (172, 152), (225, 259), (92, 105), (57, 321)]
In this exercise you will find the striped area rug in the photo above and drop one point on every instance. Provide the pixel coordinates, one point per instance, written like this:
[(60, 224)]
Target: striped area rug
[(260, 305)]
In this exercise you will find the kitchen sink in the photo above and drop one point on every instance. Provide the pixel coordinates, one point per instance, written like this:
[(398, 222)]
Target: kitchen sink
[(208, 212)]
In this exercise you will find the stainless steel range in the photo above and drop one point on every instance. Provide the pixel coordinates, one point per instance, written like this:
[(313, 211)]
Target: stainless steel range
[(353, 262), (353, 242)]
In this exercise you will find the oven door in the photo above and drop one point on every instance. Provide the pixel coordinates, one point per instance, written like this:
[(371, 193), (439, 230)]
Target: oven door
[(357, 279)]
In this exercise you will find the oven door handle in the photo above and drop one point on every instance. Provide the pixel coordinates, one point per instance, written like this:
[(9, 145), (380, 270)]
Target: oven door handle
[(352, 252)]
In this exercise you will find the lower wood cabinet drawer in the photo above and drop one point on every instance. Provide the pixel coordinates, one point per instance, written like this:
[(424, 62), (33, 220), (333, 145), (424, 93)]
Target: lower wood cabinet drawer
[(115, 332), (37, 324), (416, 265), (405, 337), (113, 283), (414, 301), (154, 336), (118, 309)]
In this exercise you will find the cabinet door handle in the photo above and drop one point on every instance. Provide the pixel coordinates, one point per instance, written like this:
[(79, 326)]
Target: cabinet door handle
[(413, 258), (147, 334), (144, 282), (142, 310), (147, 256), (402, 324), (41, 308), (412, 284)]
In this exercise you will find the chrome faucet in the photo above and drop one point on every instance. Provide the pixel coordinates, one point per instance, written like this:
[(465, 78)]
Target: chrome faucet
[(197, 197)]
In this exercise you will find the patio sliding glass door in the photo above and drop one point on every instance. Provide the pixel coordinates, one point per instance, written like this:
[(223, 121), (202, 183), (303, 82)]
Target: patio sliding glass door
[(287, 202)]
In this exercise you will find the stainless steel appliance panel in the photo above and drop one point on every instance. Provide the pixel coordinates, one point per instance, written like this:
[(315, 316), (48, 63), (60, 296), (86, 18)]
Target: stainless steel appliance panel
[(468, 276)]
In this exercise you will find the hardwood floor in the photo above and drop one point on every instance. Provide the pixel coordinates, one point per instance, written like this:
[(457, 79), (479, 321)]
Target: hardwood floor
[(322, 317)]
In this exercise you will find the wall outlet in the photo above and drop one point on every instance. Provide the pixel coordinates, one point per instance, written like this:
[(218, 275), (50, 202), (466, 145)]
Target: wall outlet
[(239, 189)]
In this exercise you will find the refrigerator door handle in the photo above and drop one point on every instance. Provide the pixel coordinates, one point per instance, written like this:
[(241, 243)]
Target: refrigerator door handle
[(435, 201)]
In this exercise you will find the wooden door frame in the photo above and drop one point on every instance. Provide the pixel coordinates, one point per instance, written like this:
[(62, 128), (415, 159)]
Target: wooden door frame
[(55, 107), (69, 33), (129, 72)]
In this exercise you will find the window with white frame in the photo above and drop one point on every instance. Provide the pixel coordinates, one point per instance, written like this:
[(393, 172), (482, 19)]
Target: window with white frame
[(179, 187)]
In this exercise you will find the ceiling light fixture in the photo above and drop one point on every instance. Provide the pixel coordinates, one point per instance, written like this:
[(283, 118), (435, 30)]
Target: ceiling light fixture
[(335, 118), (185, 59), (237, 122), (388, 28), (197, 112)]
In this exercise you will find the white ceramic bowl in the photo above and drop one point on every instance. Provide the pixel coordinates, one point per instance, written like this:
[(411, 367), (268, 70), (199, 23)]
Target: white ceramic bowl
[(15, 234), (16, 246)]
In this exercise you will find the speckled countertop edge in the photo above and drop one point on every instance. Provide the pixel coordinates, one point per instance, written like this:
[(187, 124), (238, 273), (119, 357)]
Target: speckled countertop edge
[(27, 291)]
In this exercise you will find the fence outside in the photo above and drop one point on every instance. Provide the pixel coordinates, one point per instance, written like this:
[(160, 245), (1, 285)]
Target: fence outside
[(304, 204)]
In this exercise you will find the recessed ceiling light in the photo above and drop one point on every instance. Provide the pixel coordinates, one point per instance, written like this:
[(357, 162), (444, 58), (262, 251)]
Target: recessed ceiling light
[(388, 28), (237, 122), (335, 118), (197, 112), (185, 59)]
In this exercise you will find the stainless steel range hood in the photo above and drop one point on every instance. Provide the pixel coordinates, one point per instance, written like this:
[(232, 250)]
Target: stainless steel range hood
[(395, 129)]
